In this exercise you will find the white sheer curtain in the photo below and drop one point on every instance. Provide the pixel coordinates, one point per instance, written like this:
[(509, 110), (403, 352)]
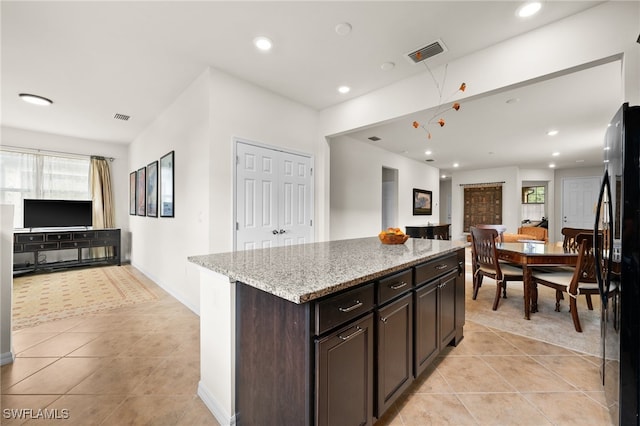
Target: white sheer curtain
[(34, 175)]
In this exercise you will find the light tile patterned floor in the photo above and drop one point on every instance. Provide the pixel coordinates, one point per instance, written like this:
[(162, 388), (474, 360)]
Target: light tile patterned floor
[(140, 365)]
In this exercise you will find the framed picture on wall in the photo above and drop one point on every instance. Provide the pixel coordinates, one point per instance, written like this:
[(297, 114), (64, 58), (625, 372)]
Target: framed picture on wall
[(132, 193), (152, 189), (422, 202), (141, 193), (166, 185)]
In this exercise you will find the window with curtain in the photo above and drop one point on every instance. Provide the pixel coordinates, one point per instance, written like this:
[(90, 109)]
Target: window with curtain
[(35, 175)]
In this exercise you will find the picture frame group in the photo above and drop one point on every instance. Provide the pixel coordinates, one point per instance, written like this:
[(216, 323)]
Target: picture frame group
[(152, 188)]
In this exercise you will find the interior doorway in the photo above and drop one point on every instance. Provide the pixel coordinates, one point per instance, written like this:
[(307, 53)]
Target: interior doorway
[(389, 198)]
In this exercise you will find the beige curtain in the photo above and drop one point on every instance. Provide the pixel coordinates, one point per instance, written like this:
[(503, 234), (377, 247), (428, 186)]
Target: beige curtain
[(102, 197)]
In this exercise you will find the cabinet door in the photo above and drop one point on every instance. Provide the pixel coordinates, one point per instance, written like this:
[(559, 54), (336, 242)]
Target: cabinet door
[(426, 326), (447, 289), (395, 351), (344, 376)]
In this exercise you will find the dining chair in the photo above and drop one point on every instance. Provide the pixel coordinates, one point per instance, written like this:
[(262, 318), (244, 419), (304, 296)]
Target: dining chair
[(569, 237), (485, 263), (580, 281), (500, 229)]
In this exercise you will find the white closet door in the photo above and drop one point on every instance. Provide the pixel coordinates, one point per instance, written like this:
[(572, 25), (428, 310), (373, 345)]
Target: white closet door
[(274, 198), (579, 199), (295, 199)]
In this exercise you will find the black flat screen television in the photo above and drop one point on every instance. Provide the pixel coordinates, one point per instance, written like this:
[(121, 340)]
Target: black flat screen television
[(57, 213)]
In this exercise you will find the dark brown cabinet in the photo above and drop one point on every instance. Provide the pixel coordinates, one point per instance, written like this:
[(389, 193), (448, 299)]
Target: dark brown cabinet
[(38, 243), (436, 309), (345, 358), (394, 351), (344, 388), (426, 340)]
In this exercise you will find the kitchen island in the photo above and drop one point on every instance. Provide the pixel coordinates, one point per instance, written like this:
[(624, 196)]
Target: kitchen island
[(324, 333)]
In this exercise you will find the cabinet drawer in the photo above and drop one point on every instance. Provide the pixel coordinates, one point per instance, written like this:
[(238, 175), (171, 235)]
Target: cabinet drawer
[(395, 285), (428, 271), (107, 235), (104, 243), (83, 235), (74, 244), (29, 238), (40, 246), (58, 237), (339, 309)]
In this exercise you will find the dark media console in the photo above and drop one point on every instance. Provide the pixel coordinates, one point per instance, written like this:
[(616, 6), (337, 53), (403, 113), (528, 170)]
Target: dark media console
[(39, 242)]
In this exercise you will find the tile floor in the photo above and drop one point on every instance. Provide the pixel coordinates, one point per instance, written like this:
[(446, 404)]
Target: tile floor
[(140, 366)]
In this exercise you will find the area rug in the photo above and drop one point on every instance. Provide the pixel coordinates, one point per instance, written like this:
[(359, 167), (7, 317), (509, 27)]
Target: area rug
[(545, 325), (40, 298)]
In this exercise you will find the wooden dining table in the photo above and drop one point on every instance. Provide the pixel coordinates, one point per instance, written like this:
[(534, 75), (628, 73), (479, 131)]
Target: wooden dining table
[(534, 253)]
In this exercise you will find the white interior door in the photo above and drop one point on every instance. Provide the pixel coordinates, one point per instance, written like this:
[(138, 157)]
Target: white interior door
[(274, 197), (579, 199)]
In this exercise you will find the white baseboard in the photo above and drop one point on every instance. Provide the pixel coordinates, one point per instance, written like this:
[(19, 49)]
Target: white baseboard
[(222, 416), (7, 358)]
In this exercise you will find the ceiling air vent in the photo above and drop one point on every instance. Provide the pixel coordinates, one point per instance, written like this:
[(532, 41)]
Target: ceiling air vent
[(122, 117), (374, 138), (426, 52), (428, 160)]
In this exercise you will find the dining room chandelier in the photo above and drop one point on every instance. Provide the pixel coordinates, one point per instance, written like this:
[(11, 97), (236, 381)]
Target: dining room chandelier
[(443, 106)]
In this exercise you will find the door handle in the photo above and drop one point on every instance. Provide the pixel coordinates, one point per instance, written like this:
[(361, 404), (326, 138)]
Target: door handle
[(282, 231), (274, 232)]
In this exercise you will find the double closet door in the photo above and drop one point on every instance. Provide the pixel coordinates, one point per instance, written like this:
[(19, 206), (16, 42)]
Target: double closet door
[(274, 197)]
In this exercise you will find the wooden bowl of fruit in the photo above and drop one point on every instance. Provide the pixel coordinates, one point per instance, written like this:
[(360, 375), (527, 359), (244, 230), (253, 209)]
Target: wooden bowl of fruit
[(393, 236)]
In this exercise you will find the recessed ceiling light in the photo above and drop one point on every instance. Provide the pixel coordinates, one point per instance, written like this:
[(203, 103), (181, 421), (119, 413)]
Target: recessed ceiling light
[(555, 154), (552, 132), (528, 9), (456, 165), (343, 29), (387, 66), (443, 176), (344, 89), (35, 99), (428, 152), (263, 43), (551, 166)]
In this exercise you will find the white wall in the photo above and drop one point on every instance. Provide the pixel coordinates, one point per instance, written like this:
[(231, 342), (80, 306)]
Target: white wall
[(445, 201), (564, 45), (242, 110), (201, 126), (510, 196), (6, 283), (356, 188), (28, 139), (160, 245)]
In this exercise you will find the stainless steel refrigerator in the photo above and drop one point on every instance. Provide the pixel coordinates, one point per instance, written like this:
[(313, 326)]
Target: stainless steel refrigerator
[(618, 262)]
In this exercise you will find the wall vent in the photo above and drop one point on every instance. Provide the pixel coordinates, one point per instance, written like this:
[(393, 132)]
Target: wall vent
[(122, 117), (374, 138), (426, 52)]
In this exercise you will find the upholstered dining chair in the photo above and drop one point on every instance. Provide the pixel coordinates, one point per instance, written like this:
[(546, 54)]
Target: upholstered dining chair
[(580, 281), (485, 263)]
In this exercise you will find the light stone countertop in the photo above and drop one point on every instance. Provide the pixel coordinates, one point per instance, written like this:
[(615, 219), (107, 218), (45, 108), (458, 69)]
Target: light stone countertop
[(304, 272)]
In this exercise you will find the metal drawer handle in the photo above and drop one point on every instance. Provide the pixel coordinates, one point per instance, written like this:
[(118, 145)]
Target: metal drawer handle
[(352, 307), (396, 286), (440, 267), (349, 336)]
